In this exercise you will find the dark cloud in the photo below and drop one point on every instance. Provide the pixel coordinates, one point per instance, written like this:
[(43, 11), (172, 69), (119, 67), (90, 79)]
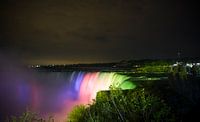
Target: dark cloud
[(98, 30)]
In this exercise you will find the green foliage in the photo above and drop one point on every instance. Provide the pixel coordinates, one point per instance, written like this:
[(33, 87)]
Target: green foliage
[(178, 73), (29, 116), (77, 114), (154, 69), (118, 105)]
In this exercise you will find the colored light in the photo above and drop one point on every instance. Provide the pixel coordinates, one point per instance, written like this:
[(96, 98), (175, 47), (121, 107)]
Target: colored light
[(56, 93)]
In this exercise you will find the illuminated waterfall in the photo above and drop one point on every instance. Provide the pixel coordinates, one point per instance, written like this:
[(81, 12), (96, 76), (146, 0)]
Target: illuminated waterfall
[(56, 93), (86, 85)]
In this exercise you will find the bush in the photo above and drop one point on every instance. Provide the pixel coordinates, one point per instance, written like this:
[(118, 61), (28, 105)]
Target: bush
[(77, 114), (130, 105), (29, 116)]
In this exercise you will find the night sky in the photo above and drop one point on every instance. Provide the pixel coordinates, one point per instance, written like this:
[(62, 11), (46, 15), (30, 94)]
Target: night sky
[(88, 31)]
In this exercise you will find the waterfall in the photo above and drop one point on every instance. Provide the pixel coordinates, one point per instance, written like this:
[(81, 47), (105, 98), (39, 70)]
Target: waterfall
[(55, 93)]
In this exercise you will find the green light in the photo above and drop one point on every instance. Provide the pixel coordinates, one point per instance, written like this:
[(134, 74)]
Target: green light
[(127, 85), (122, 82)]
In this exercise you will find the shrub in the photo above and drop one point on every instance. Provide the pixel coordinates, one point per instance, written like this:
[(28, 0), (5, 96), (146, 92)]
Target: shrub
[(29, 116), (117, 105), (77, 114)]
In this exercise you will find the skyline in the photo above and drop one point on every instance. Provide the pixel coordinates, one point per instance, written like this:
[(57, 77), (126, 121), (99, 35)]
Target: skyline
[(75, 31)]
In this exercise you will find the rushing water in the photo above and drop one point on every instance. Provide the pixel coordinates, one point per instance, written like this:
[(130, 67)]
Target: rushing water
[(54, 93)]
